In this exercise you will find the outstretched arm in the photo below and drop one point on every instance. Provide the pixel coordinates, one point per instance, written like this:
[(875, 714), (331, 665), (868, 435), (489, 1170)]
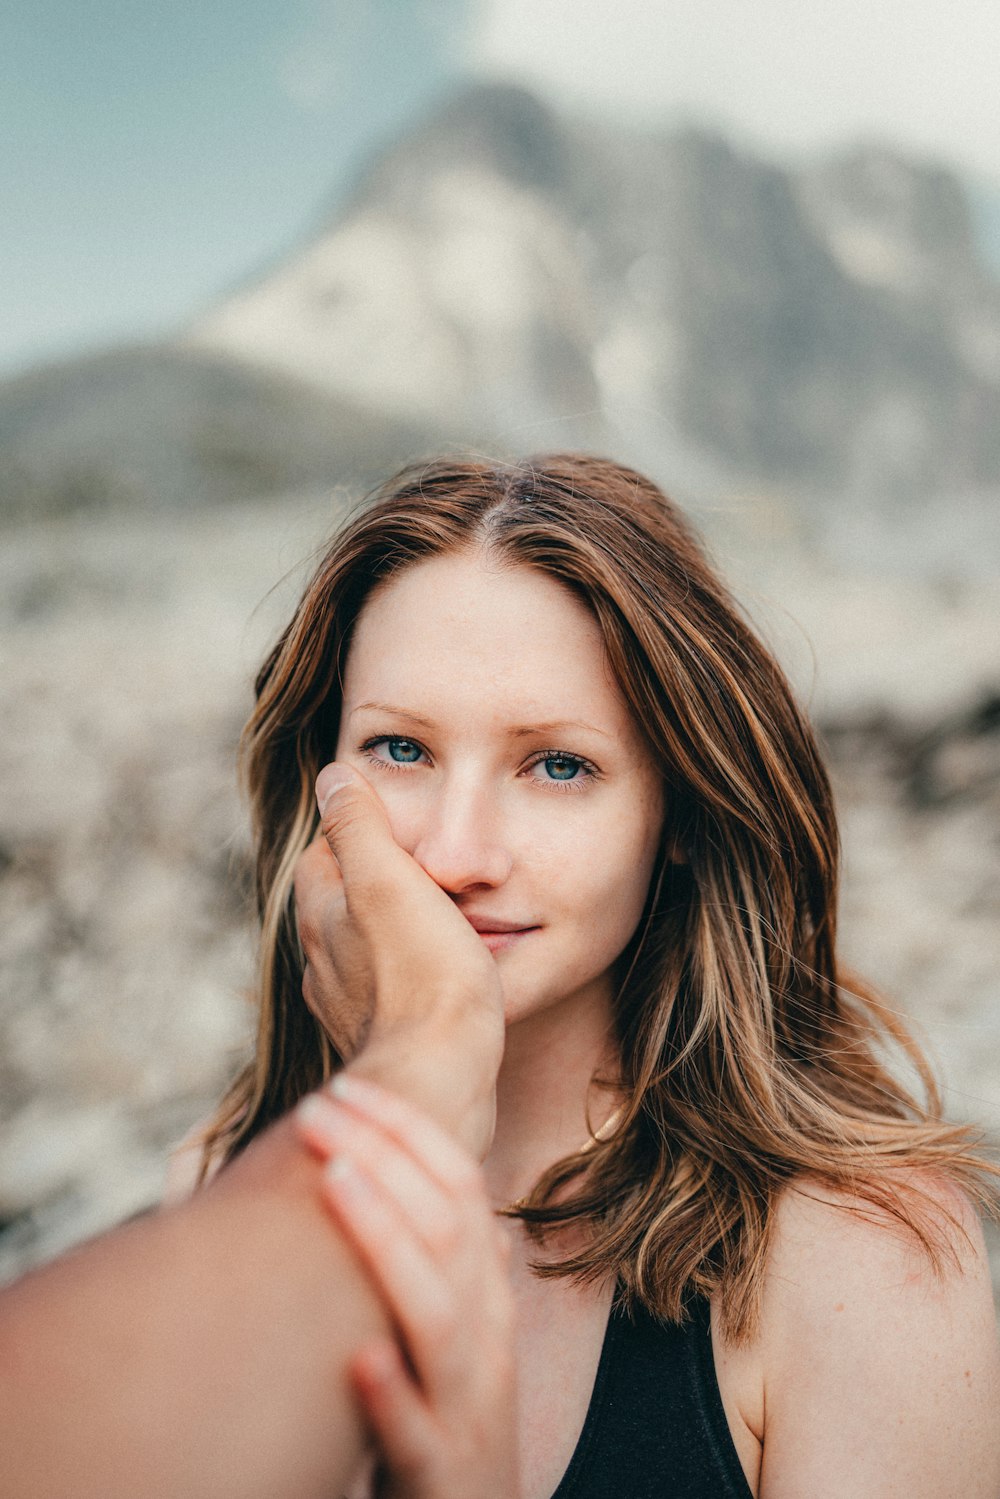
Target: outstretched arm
[(199, 1352), (204, 1351)]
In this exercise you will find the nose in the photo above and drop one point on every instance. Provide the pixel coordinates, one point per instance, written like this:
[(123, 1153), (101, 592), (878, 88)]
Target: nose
[(460, 842)]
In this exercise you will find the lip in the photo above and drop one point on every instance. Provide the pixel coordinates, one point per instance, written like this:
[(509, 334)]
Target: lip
[(495, 924), (498, 935)]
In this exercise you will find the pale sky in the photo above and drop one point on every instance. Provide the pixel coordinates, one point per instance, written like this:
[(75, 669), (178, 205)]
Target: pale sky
[(795, 74), (154, 156)]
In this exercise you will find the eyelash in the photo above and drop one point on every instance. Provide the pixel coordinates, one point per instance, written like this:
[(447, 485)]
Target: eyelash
[(589, 772)]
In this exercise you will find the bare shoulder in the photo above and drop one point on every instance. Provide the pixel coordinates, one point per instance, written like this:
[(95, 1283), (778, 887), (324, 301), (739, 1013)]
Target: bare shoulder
[(881, 1371), (855, 1241)]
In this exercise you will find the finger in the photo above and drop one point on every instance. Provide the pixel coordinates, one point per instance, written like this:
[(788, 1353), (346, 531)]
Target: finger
[(353, 823), (315, 879), (415, 1289), (458, 1231), (439, 1154), (394, 1408), (315, 866), (330, 1129)]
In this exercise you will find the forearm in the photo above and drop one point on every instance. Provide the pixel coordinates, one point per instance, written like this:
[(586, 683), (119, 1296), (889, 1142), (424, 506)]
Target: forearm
[(200, 1352)]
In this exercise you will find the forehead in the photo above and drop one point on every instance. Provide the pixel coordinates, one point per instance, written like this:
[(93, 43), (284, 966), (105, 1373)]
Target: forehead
[(464, 631)]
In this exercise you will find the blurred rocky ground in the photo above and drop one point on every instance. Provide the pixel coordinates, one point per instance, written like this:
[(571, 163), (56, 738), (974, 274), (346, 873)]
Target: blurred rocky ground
[(128, 652)]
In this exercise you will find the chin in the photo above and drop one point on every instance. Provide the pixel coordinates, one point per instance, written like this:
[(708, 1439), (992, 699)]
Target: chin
[(518, 1007)]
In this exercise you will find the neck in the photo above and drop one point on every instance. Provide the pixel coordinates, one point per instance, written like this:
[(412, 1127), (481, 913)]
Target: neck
[(547, 1101)]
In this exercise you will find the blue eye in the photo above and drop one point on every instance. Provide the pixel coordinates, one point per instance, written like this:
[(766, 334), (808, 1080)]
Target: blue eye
[(391, 750), (562, 767), (403, 751), (563, 770)]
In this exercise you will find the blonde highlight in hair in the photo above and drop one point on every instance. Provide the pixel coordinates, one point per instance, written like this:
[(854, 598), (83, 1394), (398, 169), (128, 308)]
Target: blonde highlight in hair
[(749, 1061)]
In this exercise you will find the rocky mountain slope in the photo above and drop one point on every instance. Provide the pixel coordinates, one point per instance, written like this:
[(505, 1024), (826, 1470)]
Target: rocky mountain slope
[(831, 328), (151, 428)]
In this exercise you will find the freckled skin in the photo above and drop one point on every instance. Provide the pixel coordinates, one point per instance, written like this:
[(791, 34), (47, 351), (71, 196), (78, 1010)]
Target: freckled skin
[(513, 826)]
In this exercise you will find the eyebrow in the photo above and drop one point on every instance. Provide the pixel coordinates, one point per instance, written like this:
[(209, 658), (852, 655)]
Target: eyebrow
[(522, 731)]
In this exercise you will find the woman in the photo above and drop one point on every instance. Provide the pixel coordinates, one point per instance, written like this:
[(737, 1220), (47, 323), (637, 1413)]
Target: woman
[(742, 1257)]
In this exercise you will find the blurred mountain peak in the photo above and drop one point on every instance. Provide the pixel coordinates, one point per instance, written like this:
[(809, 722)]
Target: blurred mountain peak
[(500, 127), (505, 271), (826, 334)]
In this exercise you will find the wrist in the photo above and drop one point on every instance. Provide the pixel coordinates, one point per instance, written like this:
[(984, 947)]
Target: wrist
[(446, 1066)]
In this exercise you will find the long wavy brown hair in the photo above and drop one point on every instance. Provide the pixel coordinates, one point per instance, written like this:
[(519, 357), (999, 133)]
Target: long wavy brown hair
[(748, 1059)]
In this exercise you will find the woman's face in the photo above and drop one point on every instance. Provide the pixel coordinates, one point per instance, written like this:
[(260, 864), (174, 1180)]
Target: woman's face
[(479, 704)]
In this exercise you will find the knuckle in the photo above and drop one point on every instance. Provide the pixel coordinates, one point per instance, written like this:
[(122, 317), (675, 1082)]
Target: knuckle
[(307, 928), (315, 880), (369, 897)]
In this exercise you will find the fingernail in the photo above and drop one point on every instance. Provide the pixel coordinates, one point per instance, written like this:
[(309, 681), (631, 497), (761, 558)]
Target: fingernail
[(310, 1110), (322, 1125), (339, 1173), (340, 1086)]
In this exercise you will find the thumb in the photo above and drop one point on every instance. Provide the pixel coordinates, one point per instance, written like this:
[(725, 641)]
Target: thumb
[(353, 822)]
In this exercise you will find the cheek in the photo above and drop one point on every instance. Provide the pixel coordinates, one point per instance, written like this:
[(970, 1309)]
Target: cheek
[(619, 901), (605, 873)]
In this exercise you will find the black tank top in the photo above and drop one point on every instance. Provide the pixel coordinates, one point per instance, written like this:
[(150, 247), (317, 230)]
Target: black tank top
[(655, 1427)]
